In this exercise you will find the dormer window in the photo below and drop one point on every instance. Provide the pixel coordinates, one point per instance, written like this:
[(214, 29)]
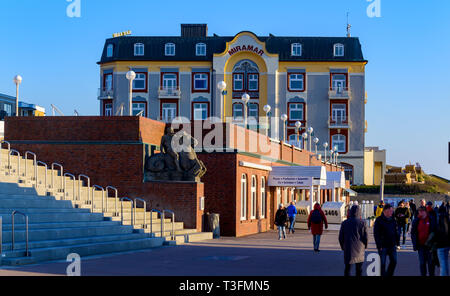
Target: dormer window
[(109, 50), (296, 49), (139, 49), (200, 49), (169, 49), (338, 50)]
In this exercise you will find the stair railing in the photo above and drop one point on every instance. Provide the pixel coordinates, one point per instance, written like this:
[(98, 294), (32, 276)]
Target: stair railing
[(11, 152), (145, 211), (13, 232), (80, 184), (116, 197), (53, 173), (1, 235), (45, 178), (161, 215), (73, 185), (9, 149), (34, 165), (131, 209), (173, 222), (103, 196)]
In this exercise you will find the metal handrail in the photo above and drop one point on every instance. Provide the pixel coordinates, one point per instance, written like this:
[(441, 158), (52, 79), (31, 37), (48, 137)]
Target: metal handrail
[(151, 222), (81, 185), (37, 176), (53, 172), (13, 151), (73, 182), (145, 211), (9, 149), (103, 196), (34, 164), (116, 213), (131, 209), (13, 233), (173, 221), (1, 236)]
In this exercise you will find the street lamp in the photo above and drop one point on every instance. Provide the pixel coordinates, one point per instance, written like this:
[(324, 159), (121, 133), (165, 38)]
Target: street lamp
[(304, 136), (337, 154), (284, 117), (325, 145), (221, 86), (298, 124), (131, 75), (310, 131), (316, 141), (17, 80), (245, 98), (331, 156), (267, 109), (335, 149)]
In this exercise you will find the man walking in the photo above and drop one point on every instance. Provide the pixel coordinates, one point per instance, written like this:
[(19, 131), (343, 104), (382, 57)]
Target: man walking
[(280, 221), (443, 239), (413, 209), (292, 212), (402, 215), (387, 239), (422, 231), (353, 240)]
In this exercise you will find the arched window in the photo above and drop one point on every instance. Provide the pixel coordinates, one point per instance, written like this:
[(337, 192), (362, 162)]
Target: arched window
[(244, 197), (110, 50), (296, 49), (253, 200), (200, 49), (339, 141), (263, 198), (169, 49), (138, 49), (338, 50)]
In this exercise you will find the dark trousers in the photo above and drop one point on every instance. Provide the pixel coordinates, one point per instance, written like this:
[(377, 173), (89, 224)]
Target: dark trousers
[(402, 230), (425, 261), (358, 269), (392, 253)]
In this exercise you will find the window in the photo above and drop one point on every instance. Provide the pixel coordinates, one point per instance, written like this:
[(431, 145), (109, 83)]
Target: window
[(238, 82), (200, 49), (296, 49), (139, 107), (169, 49), (7, 108), (253, 82), (339, 81), (253, 110), (238, 112), (348, 171), (169, 111), (201, 81), (295, 111), (263, 198), (296, 82), (200, 111), (338, 50), (108, 109), (338, 113), (109, 50), (253, 199), (108, 81), (339, 141), (140, 82), (293, 140), (169, 81), (244, 197), (139, 49)]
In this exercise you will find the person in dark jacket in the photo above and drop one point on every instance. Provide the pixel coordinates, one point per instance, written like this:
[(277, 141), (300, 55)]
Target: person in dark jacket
[(317, 228), (422, 232), (353, 240), (387, 238), (402, 215), (281, 219), (292, 213), (413, 208), (443, 239)]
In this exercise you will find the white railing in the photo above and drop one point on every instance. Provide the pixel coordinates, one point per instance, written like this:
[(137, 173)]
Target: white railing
[(169, 92), (34, 165), (80, 184), (103, 197), (105, 93), (339, 92), (116, 197), (62, 175), (131, 209), (45, 178), (12, 152), (9, 149), (145, 211), (73, 185)]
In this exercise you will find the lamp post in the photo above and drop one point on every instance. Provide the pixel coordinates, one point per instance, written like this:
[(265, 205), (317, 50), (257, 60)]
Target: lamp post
[(316, 141), (267, 109), (310, 131), (337, 154), (17, 81), (325, 145), (298, 125), (245, 98), (131, 75), (335, 149), (304, 136), (284, 117), (222, 86), (331, 156)]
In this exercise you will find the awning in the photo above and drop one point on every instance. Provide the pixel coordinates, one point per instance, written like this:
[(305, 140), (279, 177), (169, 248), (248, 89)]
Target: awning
[(297, 176), (351, 192)]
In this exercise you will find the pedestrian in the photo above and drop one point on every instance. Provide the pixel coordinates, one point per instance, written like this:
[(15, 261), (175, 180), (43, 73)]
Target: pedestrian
[(422, 232), (413, 209), (280, 221), (292, 213), (408, 220), (443, 239), (431, 212), (387, 239), (379, 210), (401, 215), (316, 221), (353, 240)]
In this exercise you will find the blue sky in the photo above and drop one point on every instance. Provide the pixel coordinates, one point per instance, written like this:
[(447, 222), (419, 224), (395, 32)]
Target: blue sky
[(408, 50)]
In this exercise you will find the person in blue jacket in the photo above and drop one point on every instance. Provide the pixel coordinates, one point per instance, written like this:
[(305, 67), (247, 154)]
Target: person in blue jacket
[(292, 212)]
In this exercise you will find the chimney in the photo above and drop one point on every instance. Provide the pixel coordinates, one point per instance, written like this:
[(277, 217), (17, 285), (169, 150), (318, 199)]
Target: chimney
[(194, 30)]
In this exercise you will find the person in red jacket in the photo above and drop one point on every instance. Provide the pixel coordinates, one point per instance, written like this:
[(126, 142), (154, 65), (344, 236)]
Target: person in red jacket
[(316, 220)]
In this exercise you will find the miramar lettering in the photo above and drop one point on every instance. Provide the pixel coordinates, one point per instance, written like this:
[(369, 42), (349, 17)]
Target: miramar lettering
[(239, 48)]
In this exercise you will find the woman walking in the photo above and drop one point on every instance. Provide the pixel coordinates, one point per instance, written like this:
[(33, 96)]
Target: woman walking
[(281, 219), (316, 220)]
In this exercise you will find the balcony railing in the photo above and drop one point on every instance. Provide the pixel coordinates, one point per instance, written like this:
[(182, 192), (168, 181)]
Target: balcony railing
[(104, 93), (169, 92), (339, 123), (340, 93)]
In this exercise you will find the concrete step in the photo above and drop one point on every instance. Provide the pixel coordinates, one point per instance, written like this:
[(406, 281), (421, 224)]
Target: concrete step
[(28, 197), (38, 203), (11, 188), (32, 226), (56, 217), (31, 211)]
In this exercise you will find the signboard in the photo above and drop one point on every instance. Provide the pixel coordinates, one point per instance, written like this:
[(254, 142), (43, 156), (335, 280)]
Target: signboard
[(290, 181), (122, 34), (247, 47)]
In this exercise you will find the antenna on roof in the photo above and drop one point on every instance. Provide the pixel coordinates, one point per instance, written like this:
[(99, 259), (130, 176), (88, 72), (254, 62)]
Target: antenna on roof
[(75, 112), (348, 27)]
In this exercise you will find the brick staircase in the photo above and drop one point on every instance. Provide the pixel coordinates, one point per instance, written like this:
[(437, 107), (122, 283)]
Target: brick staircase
[(68, 215)]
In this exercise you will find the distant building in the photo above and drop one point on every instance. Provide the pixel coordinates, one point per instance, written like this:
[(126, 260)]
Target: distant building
[(374, 165), (26, 109)]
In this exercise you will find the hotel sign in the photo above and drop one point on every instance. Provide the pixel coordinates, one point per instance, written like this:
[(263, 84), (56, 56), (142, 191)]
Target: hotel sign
[(125, 33), (290, 181), (250, 48)]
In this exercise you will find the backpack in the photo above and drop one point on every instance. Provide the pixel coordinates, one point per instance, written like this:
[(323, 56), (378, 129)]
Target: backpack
[(316, 217)]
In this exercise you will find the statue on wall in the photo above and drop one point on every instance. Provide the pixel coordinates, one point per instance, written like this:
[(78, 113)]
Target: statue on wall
[(177, 160)]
